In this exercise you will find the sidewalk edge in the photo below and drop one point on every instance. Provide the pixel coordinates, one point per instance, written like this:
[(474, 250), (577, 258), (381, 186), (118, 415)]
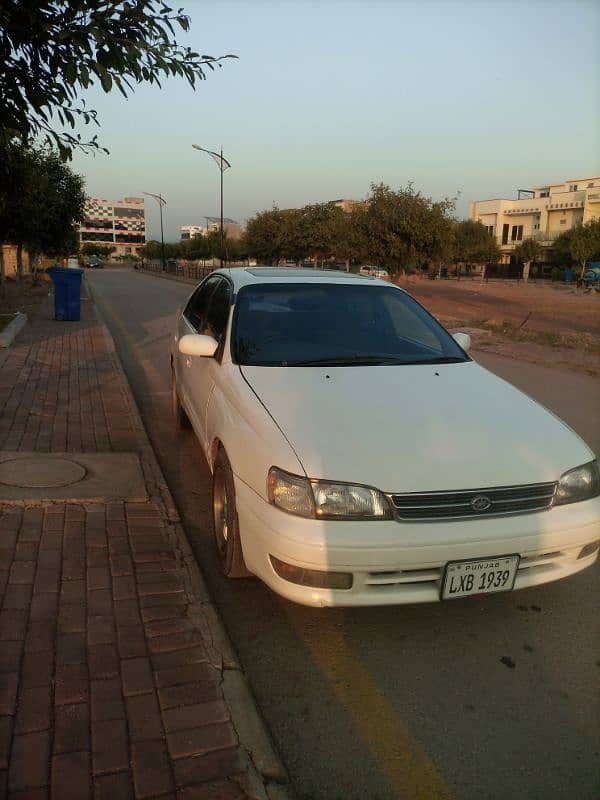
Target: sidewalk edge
[(14, 327), (246, 717)]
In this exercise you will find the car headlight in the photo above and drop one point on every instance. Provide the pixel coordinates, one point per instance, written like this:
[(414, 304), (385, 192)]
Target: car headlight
[(325, 499), (577, 484)]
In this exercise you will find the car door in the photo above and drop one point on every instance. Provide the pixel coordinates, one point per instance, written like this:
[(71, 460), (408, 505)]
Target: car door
[(201, 372), (191, 321)]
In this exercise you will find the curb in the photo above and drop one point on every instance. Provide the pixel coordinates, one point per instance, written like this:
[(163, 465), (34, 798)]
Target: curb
[(168, 277), (267, 775), (12, 329)]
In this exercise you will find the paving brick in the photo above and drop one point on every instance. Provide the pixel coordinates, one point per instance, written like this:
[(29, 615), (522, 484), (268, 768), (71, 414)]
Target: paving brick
[(163, 612), (47, 580), (115, 511), (131, 641), (116, 528), (127, 612), (207, 689), (40, 637), (10, 656), (124, 587), (22, 572), (110, 751), (71, 776), (70, 648), (72, 684), (6, 726), (103, 661), (33, 713), (74, 512), (49, 559), (113, 787), (119, 545), (25, 551), (72, 618), (151, 773), (178, 658), (136, 676), (144, 718), (71, 728), (167, 626), (17, 596), (173, 599), (37, 669), (100, 602), (187, 673), (101, 630), (107, 700), (13, 624), (72, 591), (29, 761), (73, 568), (219, 789), (192, 716), (120, 565), (200, 740), (174, 641), (98, 578), (43, 607)]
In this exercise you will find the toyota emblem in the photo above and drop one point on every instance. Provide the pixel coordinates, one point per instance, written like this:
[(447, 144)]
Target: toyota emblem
[(480, 503)]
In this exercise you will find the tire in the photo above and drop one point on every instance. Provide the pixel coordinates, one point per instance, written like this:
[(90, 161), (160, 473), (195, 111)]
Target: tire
[(182, 420), (225, 520)]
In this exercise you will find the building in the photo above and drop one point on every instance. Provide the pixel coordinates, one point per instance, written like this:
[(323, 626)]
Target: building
[(231, 228), (120, 224), (541, 213)]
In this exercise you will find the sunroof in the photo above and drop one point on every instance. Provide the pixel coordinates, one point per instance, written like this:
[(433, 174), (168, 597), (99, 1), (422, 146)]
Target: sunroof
[(288, 272)]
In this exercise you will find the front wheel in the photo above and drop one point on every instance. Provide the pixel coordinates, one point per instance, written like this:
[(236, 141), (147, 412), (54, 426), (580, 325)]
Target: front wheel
[(225, 520)]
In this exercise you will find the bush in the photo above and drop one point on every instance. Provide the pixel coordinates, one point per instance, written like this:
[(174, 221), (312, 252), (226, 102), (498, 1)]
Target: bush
[(557, 274)]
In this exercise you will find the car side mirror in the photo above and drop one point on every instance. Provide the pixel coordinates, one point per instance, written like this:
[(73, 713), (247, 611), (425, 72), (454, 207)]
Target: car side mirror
[(462, 339), (196, 344)]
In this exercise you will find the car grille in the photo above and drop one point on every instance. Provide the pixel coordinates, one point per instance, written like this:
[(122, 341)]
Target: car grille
[(503, 500)]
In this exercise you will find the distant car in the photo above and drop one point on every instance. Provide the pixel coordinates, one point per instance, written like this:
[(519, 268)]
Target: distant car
[(592, 276), (360, 457), (95, 262), (374, 272)]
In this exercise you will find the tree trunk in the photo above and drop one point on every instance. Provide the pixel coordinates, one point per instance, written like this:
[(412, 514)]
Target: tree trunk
[(20, 263), (2, 271), (526, 266)]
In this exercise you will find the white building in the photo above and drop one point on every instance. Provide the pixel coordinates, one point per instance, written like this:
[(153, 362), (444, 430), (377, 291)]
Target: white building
[(541, 213), (117, 223)]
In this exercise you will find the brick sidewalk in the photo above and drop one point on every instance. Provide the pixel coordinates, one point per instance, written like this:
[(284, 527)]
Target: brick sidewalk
[(114, 670)]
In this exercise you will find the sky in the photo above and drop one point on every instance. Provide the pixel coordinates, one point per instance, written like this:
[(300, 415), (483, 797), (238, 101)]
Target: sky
[(471, 99)]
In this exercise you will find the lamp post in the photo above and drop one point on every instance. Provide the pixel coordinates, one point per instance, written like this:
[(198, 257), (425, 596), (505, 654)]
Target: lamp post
[(161, 202), (222, 164)]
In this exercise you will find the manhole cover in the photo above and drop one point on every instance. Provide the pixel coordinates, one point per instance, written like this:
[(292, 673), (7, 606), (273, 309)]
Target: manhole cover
[(39, 472)]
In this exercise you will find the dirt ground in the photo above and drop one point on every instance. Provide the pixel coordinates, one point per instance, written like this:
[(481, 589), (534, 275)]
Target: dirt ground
[(543, 323), (24, 296)]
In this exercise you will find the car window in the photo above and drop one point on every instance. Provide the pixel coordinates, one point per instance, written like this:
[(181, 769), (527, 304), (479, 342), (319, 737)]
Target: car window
[(196, 308), (215, 320), (337, 324)]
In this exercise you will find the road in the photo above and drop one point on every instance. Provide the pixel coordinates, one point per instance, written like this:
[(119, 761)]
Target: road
[(480, 698)]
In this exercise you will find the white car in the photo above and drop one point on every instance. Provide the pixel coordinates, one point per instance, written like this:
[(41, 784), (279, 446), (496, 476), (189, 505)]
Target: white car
[(374, 272), (360, 457)]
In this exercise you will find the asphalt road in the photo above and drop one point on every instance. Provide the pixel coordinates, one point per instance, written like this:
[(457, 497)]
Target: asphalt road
[(491, 697)]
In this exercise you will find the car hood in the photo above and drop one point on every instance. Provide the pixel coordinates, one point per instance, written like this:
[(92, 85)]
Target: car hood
[(415, 428)]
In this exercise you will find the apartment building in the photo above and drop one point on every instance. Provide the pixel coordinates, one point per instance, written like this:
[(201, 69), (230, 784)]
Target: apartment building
[(232, 229), (119, 223), (541, 213)]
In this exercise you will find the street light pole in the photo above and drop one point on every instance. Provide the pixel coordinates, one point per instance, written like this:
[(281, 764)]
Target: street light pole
[(222, 164), (161, 202)]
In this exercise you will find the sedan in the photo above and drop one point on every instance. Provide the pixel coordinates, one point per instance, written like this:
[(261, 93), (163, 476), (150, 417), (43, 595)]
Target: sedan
[(359, 456)]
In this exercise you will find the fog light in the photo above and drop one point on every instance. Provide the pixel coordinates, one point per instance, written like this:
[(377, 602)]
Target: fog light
[(311, 577), (589, 549)]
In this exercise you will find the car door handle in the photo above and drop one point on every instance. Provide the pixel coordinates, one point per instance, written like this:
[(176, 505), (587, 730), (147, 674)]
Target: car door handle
[(188, 362)]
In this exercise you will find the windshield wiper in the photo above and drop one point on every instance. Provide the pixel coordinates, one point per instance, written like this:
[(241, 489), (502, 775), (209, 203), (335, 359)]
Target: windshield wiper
[(441, 360), (343, 361)]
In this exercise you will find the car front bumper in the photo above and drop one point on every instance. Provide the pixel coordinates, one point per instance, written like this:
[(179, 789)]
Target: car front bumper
[(394, 563)]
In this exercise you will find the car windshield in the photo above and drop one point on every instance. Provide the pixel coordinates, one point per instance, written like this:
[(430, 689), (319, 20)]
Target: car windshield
[(336, 324)]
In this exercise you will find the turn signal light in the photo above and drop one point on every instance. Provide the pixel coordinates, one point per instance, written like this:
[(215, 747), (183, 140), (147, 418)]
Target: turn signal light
[(589, 549), (314, 578)]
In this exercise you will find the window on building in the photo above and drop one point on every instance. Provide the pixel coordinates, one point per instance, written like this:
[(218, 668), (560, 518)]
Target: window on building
[(490, 229), (545, 193), (505, 234), (96, 236), (573, 187), (516, 234), (563, 221), (536, 226), (136, 213), (590, 185)]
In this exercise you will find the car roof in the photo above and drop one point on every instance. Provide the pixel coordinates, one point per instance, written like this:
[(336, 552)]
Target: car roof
[(242, 276)]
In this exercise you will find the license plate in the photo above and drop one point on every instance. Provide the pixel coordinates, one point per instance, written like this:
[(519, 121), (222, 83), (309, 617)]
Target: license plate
[(480, 576)]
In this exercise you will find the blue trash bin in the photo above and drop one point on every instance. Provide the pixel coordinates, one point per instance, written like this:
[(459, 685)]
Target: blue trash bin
[(67, 291)]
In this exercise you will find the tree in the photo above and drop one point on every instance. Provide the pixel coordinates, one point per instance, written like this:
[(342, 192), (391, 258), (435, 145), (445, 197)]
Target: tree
[(267, 236), (52, 51), (41, 204), (92, 249), (396, 228), (578, 245), (473, 244)]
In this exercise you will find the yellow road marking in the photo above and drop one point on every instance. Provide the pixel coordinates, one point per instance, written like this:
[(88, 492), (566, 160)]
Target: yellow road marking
[(400, 758)]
